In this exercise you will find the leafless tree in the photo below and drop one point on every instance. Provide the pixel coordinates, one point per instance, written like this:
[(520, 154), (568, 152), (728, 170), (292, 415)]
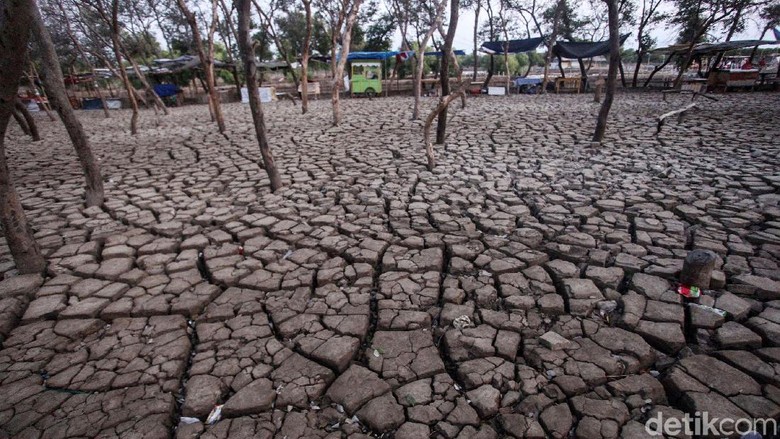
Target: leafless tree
[(63, 16), (267, 17), (477, 9), (698, 17), (229, 34), (341, 16), (650, 15), (24, 117), (614, 60), (438, 14), (556, 19), (206, 56), (15, 24), (256, 107), (111, 19), (305, 58), (55, 86), (441, 122), (505, 20)]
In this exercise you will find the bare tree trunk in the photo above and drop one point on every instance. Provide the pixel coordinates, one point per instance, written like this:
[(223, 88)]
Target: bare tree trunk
[(54, 84), (755, 48), (443, 104), (504, 25), (560, 67), (100, 94), (84, 57), (640, 55), (268, 19), (34, 79), (418, 74), (491, 69), (614, 60), (21, 121), (158, 103), (122, 72), (476, 34), (441, 121), (29, 120), (732, 29), (346, 38), (206, 60), (255, 106), (550, 42), (583, 72), (658, 69), (15, 22), (305, 59), (226, 39)]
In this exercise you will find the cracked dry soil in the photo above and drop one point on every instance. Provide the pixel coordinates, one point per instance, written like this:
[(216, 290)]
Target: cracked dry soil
[(525, 288)]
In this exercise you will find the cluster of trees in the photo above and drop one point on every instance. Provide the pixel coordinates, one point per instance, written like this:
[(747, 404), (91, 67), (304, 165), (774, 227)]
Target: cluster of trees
[(295, 30)]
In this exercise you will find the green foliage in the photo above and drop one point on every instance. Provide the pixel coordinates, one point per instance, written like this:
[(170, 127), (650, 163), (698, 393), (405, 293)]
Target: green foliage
[(379, 34), (770, 13), (263, 46), (226, 76), (141, 46), (291, 29)]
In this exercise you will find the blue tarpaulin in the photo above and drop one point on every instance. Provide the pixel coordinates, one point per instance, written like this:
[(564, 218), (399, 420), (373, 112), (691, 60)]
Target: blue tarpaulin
[(370, 55), (514, 46), (166, 90), (399, 56), (91, 104), (438, 54)]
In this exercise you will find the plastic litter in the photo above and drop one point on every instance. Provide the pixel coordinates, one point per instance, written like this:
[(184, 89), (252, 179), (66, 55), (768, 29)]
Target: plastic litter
[(691, 292), (187, 420), (215, 415), (717, 311), (462, 322), (607, 306)]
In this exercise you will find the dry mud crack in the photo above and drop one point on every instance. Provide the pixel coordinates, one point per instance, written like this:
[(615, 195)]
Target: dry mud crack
[(525, 288)]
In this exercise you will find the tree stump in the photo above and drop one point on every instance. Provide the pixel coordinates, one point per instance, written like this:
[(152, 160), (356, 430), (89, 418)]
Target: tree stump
[(697, 268)]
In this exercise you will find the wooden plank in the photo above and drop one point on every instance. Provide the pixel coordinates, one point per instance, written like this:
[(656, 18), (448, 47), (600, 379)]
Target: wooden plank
[(662, 118)]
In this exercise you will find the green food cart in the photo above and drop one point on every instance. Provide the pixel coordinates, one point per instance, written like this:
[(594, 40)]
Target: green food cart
[(366, 78)]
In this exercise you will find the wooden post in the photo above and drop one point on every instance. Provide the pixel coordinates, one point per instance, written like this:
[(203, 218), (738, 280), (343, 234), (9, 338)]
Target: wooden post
[(697, 268)]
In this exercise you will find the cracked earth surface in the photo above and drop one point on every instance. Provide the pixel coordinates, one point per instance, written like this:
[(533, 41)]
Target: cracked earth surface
[(525, 288)]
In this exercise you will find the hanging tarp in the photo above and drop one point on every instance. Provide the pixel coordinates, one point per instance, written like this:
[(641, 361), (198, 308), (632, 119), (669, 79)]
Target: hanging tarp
[(710, 48), (579, 50), (707, 48), (515, 46), (370, 55), (399, 56), (180, 64), (438, 54)]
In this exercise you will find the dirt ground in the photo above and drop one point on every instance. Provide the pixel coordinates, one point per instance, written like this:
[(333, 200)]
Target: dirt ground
[(525, 288)]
